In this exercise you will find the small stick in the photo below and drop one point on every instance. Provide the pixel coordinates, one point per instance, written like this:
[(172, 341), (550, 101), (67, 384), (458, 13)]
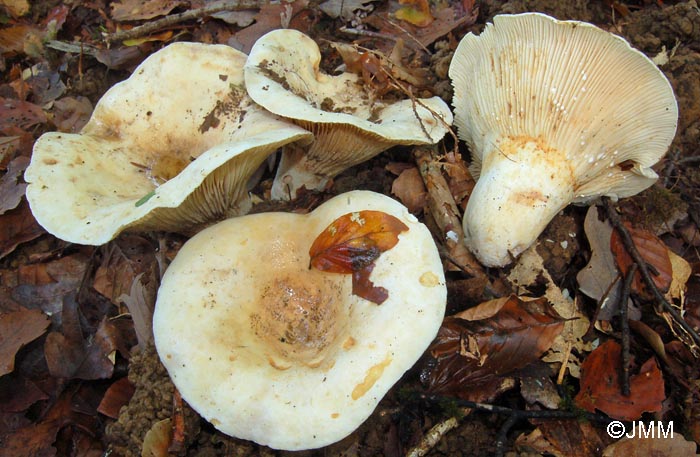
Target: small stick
[(433, 437), (177, 444), (625, 325), (502, 438), (644, 270), (172, 19), (591, 327)]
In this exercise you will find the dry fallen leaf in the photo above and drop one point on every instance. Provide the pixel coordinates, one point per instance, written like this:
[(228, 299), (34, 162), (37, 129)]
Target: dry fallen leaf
[(671, 446), (410, 189), (477, 348), (17, 329), (653, 251), (11, 190), (21, 114), (567, 437), (136, 10), (157, 439), (351, 244), (116, 396), (601, 390)]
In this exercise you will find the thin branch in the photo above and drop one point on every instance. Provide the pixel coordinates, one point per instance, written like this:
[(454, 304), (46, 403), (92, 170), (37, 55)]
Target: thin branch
[(644, 270), (625, 328), (172, 19)]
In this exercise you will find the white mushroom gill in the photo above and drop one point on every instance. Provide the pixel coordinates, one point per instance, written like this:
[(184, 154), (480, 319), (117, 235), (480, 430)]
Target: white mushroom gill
[(554, 112)]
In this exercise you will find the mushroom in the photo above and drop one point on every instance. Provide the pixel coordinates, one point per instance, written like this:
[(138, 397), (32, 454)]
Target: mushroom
[(554, 112), (170, 148), (349, 123), (269, 350)]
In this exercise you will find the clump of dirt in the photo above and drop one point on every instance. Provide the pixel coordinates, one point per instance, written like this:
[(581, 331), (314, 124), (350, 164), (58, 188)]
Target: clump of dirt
[(152, 402)]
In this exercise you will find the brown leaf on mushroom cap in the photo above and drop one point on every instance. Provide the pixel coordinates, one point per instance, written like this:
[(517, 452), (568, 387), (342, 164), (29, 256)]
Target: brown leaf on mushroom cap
[(601, 389), (478, 347)]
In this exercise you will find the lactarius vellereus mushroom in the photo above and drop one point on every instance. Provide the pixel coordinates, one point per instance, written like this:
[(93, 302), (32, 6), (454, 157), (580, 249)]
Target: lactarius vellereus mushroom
[(554, 112), (270, 350), (171, 148), (349, 123)]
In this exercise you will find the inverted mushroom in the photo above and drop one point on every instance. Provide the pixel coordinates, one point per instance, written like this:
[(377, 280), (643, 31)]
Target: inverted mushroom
[(553, 112), (170, 148), (269, 350), (350, 125)]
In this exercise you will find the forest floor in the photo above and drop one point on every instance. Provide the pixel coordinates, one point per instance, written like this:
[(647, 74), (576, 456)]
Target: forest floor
[(79, 375)]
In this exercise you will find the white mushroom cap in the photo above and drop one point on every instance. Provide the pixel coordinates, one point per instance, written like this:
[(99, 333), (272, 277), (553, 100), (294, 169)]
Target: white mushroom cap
[(269, 350), (170, 148), (554, 112), (350, 126)]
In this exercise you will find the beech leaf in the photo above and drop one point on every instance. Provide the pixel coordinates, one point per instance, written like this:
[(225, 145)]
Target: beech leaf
[(354, 241), (475, 349), (600, 385), (17, 329)]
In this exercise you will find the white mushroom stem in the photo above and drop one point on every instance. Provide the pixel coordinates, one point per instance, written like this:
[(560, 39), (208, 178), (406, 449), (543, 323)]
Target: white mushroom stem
[(506, 212)]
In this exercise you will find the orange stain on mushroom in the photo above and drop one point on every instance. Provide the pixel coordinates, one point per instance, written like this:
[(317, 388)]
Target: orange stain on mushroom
[(348, 343), (429, 279), (372, 376)]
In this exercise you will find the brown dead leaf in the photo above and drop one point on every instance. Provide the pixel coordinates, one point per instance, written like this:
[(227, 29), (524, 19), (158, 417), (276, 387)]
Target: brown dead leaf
[(140, 303), (601, 390), (21, 38), (653, 251), (21, 114), (17, 329), (123, 260), (601, 275), (137, 10), (11, 190), (116, 396), (563, 438), (157, 439), (17, 226), (69, 355), (17, 393), (476, 348), (410, 189), (351, 244), (70, 114), (671, 446), (268, 19)]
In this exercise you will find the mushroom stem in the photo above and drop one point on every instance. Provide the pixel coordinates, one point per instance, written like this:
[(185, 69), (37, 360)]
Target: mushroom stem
[(523, 184)]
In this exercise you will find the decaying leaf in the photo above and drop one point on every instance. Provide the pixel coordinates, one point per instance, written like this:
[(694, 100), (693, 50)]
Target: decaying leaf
[(136, 10), (417, 12), (351, 244), (70, 114), (562, 438), (270, 18), (656, 446), (19, 113), (116, 396), (601, 390), (601, 277), (17, 226), (476, 349), (681, 273), (410, 189), (17, 329), (653, 251), (529, 271), (12, 191), (157, 439)]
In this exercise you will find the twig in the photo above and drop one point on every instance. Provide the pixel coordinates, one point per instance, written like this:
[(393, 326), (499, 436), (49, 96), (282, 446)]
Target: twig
[(625, 328), (366, 33), (177, 444), (589, 335), (502, 438), (644, 270), (172, 19), (433, 437)]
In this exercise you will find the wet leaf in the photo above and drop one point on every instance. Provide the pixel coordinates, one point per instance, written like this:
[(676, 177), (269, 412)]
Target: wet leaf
[(16, 330), (653, 251), (600, 385), (11, 190), (475, 349), (351, 244)]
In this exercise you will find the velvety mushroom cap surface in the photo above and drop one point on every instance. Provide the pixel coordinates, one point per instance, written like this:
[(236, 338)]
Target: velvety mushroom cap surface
[(171, 148), (269, 350), (349, 123), (554, 112)]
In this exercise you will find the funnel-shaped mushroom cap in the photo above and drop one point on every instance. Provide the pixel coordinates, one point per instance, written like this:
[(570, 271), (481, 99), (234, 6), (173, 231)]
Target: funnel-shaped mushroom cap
[(269, 350), (554, 112), (350, 125), (170, 148)]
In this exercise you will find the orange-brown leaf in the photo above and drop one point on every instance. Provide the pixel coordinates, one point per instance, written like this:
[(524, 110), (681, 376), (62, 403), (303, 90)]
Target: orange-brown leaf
[(653, 251), (600, 385), (354, 241)]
